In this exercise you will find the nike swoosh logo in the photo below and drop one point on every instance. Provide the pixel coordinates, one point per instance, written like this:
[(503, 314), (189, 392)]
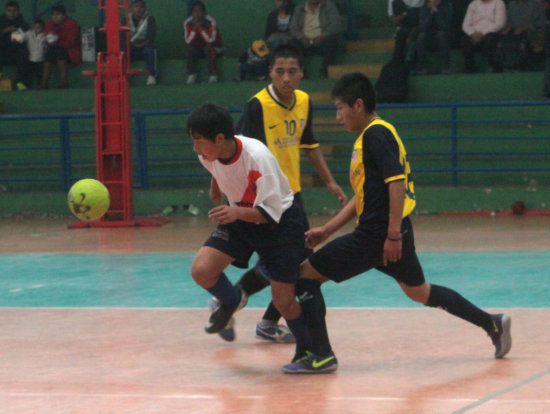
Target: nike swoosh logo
[(317, 364), (273, 126)]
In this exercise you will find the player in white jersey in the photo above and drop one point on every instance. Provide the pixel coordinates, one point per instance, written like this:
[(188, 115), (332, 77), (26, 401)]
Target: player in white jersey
[(262, 216)]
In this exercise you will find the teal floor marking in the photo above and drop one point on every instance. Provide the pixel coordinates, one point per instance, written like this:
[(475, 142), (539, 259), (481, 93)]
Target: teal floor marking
[(489, 279)]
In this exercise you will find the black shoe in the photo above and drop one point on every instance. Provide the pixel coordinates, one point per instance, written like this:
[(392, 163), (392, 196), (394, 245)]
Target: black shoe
[(221, 315), (312, 364), (500, 334)]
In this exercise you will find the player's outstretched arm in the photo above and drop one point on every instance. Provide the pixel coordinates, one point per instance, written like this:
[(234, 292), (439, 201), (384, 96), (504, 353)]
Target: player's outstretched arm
[(317, 235), (316, 158)]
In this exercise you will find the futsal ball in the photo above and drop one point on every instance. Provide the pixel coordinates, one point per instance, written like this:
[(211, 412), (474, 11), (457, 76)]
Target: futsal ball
[(88, 199)]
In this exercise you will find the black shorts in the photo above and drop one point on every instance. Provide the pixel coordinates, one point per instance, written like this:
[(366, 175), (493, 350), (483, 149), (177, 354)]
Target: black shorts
[(280, 246), (362, 250)]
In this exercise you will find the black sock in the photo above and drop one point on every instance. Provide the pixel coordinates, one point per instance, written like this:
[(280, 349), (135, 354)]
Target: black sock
[(271, 313), (252, 281), (299, 329), (314, 310), (452, 302)]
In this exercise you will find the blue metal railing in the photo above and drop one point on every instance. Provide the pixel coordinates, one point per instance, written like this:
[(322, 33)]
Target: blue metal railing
[(456, 139)]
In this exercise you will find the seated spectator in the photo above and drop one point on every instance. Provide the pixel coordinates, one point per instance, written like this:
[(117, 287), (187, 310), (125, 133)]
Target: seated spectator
[(30, 61), (10, 21), (405, 15), (203, 40), (483, 21), (523, 35), (315, 29), (254, 63), (546, 88), (436, 19), (143, 31), (277, 30), (64, 46)]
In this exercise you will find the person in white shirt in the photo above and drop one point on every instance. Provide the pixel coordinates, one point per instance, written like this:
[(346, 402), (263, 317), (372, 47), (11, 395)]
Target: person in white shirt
[(261, 215), (30, 61), (482, 23)]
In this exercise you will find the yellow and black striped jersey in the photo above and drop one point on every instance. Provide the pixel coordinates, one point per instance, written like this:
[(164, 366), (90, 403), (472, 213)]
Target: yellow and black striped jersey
[(285, 130), (378, 158)]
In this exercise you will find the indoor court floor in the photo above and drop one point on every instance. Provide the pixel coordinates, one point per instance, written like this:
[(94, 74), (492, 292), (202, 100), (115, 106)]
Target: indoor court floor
[(109, 321)]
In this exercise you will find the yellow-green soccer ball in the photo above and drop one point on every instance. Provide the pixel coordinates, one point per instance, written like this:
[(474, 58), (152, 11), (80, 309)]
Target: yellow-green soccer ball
[(88, 199)]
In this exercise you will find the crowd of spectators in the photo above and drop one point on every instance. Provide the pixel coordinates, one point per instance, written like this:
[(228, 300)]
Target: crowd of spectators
[(509, 32), (311, 25)]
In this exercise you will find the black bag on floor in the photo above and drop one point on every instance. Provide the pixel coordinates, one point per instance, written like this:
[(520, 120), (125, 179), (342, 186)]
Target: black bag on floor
[(392, 84)]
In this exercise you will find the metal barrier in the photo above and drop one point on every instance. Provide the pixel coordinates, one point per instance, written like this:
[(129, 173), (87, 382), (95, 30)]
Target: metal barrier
[(441, 138)]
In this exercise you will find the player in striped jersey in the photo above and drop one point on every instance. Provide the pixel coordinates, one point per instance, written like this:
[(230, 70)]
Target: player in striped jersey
[(383, 238)]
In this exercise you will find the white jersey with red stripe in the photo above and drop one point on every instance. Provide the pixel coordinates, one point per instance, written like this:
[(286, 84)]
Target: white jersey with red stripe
[(253, 178)]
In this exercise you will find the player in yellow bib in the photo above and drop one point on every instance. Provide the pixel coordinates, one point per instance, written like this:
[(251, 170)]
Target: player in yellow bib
[(280, 116), (383, 238)]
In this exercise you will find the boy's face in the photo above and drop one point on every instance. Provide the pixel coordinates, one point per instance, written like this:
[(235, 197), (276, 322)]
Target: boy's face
[(286, 75), (138, 9), (12, 12), (349, 116), (57, 17), (208, 149), (38, 27), (197, 13)]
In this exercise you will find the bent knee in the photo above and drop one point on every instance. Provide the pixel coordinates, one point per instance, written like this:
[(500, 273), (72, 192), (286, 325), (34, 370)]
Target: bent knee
[(202, 275), (418, 294)]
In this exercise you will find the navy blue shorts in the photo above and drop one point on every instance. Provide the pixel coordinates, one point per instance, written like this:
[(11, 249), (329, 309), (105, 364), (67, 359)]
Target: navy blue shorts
[(362, 250), (280, 246)]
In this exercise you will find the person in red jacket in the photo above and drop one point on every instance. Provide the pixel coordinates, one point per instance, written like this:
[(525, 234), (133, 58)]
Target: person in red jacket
[(203, 39), (64, 47)]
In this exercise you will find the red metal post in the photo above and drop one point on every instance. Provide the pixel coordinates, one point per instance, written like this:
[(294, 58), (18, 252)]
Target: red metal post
[(113, 134)]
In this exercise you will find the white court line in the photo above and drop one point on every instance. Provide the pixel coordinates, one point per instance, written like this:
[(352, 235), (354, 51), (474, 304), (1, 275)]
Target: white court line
[(243, 397), (496, 394)]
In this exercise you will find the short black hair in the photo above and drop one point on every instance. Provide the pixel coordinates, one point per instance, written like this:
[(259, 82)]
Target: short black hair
[(140, 1), (286, 51), (199, 4), (355, 86), (12, 4), (209, 120), (59, 9), (40, 22), (288, 6)]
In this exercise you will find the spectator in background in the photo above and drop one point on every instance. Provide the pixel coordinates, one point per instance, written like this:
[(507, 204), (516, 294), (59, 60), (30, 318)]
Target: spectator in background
[(277, 29), (203, 40), (253, 64), (143, 32), (10, 21), (436, 18), (405, 15), (483, 21), (524, 31), (546, 89), (30, 61), (64, 46), (315, 29)]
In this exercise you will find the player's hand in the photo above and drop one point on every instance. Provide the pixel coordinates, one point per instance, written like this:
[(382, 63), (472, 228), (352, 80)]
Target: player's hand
[(315, 236), (223, 214), (392, 251), (476, 38), (338, 193)]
